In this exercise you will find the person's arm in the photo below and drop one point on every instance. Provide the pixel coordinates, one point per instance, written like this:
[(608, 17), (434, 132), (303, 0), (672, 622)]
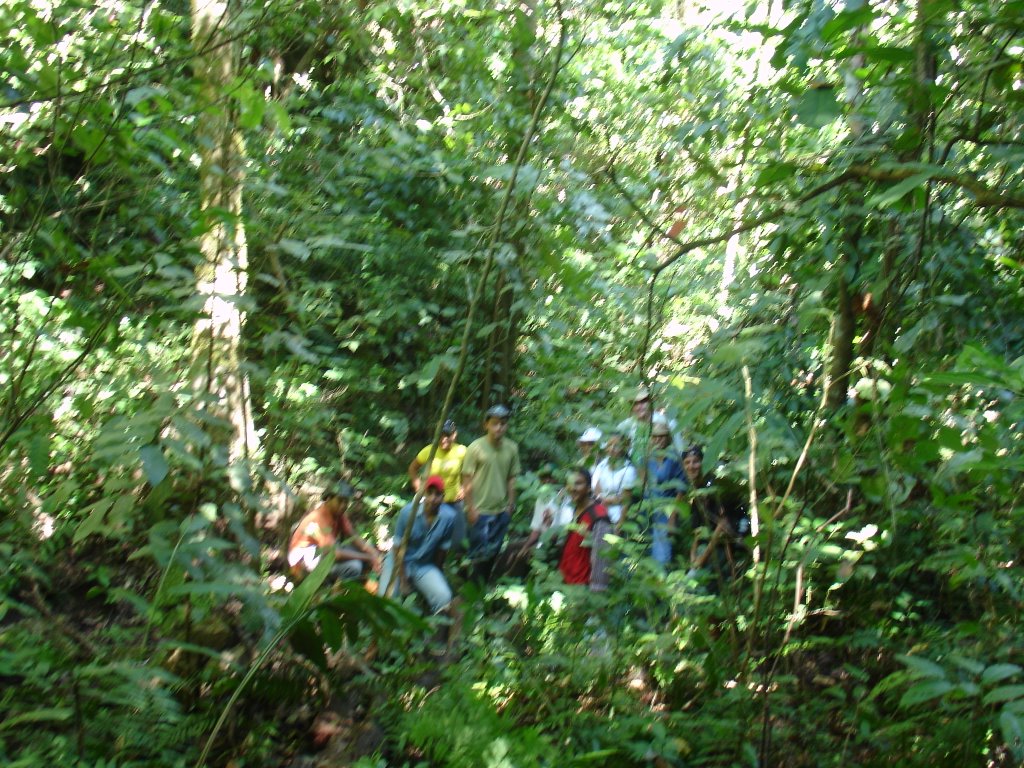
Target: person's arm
[(364, 551), (510, 484), (414, 474), (417, 464), (626, 499), (467, 500), (599, 571), (720, 530), (371, 555)]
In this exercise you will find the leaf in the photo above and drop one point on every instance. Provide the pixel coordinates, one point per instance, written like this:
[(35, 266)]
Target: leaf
[(776, 172), (252, 106), (997, 672), (333, 241), (922, 692), (295, 248), (1004, 693), (896, 191), (153, 464), (817, 107), (971, 665), (921, 667), (52, 714), (305, 640), (280, 115), (39, 455), (330, 628), (846, 20), (94, 522), (1013, 732), (299, 600)]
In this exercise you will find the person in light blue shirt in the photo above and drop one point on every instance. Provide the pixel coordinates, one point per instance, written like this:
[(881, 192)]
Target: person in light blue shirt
[(666, 488), (429, 541)]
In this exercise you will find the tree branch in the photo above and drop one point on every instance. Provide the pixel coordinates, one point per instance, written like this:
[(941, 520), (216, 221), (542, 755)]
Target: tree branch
[(984, 196)]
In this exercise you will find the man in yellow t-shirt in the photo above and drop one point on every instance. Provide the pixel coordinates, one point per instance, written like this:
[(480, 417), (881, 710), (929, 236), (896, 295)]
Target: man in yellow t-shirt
[(448, 464)]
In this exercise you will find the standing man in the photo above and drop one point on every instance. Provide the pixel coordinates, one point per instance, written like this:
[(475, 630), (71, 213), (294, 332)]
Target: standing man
[(429, 542), (489, 474), (637, 427), (328, 526), (719, 522), (447, 464), (666, 490)]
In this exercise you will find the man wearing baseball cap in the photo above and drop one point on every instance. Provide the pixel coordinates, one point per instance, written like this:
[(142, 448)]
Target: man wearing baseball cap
[(328, 526), (429, 542), (489, 474)]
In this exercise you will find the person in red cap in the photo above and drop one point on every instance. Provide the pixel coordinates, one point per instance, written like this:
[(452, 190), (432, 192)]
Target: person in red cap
[(429, 541)]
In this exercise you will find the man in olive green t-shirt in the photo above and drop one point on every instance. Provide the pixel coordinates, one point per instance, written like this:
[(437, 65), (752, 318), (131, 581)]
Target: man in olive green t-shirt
[(489, 473)]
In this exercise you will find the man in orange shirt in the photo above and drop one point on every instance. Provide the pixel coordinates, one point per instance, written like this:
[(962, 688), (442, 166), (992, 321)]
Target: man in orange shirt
[(326, 526)]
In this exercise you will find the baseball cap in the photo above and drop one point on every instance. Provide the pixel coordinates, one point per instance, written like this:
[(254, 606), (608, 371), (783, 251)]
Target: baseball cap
[(498, 412), (341, 489), (449, 428), (436, 482), (590, 435)]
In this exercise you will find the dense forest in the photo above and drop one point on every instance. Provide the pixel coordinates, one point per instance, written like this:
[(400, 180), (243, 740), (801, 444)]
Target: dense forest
[(248, 249)]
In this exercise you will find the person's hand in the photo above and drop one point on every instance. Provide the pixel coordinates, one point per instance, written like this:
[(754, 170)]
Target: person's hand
[(472, 515), (375, 564)]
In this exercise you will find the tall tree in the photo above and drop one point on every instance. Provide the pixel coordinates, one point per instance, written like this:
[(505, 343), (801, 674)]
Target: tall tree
[(221, 277)]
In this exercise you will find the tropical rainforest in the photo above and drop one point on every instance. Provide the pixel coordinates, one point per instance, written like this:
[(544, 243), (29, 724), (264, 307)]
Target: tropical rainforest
[(251, 246)]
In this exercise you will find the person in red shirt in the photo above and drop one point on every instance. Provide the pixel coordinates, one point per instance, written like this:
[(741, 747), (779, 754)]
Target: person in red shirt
[(583, 560), (328, 526)]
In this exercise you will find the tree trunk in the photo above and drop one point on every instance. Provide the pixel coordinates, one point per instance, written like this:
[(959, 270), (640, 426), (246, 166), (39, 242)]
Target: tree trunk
[(221, 277)]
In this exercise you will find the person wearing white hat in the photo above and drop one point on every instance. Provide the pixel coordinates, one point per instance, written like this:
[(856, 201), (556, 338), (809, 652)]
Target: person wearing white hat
[(586, 442), (615, 478), (637, 427)]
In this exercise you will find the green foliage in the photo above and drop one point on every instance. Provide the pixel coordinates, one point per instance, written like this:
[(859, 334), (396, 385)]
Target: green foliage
[(838, 322)]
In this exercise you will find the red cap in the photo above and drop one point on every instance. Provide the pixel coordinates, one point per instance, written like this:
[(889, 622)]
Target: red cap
[(437, 482)]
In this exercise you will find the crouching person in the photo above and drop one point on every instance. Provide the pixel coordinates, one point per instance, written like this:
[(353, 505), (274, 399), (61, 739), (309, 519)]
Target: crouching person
[(328, 526), (584, 558), (430, 539)]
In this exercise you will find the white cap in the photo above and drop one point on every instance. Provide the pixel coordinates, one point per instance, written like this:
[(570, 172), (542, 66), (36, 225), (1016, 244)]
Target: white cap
[(590, 435)]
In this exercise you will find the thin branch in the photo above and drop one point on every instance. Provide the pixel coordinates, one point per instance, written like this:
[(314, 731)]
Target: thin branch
[(984, 196), (474, 300)]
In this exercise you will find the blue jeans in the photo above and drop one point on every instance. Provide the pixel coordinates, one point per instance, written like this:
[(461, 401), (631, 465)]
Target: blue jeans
[(345, 569), (661, 541), (428, 580), (487, 535), (459, 531)]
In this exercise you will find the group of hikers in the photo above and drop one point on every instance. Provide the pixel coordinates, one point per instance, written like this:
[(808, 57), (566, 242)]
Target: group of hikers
[(632, 486)]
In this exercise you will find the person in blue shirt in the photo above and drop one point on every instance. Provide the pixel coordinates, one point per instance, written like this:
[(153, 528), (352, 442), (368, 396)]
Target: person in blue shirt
[(666, 488), (432, 534)]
